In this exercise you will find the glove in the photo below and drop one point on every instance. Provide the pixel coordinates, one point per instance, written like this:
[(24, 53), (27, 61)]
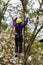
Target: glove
[(18, 15), (26, 15)]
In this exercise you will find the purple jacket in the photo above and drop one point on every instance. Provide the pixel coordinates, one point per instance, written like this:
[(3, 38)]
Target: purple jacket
[(18, 27)]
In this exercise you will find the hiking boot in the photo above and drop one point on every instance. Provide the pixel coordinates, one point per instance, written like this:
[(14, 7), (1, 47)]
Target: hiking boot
[(16, 55)]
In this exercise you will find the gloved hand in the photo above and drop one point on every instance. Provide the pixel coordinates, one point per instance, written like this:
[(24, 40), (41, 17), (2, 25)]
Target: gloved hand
[(18, 15), (26, 15), (15, 16)]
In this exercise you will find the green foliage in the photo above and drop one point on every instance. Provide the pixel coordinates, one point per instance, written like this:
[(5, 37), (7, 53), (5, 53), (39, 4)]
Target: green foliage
[(7, 45), (4, 26), (35, 48), (0, 1)]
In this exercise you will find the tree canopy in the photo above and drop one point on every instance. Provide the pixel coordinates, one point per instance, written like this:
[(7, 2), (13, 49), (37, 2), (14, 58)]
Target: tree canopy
[(33, 31)]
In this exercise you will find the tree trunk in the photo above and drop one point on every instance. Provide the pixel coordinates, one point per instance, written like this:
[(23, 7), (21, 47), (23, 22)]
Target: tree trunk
[(0, 26)]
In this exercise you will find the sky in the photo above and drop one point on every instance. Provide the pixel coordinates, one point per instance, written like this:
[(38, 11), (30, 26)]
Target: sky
[(36, 5), (14, 1)]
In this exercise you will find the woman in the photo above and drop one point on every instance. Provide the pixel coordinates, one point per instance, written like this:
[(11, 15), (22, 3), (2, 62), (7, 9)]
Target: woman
[(19, 24)]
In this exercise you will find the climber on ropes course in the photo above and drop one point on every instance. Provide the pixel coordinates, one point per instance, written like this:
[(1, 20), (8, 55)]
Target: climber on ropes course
[(19, 24)]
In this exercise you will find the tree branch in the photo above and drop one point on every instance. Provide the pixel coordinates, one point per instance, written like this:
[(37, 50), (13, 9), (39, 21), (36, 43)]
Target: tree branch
[(34, 33), (5, 7), (36, 24), (39, 29)]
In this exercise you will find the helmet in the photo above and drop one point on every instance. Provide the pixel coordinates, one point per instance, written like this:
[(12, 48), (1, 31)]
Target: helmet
[(19, 21)]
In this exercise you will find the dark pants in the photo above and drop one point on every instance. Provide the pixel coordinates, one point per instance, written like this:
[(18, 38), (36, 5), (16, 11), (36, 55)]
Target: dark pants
[(18, 44)]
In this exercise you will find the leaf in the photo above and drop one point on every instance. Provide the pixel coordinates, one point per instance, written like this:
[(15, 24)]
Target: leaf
[(4, 26)]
